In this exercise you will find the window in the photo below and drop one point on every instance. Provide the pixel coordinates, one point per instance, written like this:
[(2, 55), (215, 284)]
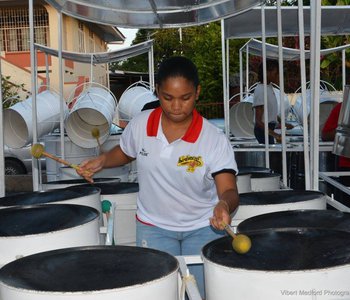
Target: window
[(14, 28)]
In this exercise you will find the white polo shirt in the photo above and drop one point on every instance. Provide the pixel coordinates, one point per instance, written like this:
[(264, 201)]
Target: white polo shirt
[(177, 189), (272, 103)]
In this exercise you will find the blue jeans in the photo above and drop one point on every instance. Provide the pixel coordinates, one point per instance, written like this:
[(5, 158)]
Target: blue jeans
[(260, 133), (178, 243)]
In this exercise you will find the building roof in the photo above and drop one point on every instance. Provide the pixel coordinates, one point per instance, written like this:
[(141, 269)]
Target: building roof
[(109, 34)]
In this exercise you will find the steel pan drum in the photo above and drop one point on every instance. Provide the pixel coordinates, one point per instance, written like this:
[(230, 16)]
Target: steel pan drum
[(26, 230), (104, 272), (303, 264), (257, 203), (89, 196), (322, 219), (123, 195), (60, 184), (265, 182), (243, 181)]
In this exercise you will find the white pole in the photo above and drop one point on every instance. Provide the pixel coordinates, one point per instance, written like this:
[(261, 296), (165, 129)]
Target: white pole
[(303, 94), (228, 72), (35, 169), (224, 80), (241, 74), (247, 70), (2, 161), (343, 68), (47, 71), (266, 120), (315, 7), (61, 80), (282, 106)]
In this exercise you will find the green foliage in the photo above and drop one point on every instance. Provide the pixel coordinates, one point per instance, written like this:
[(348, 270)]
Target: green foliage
[(201, 44), (9, 91)]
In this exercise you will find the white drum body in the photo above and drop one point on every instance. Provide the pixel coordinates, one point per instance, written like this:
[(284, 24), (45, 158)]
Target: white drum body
[(85, 233), (297, 263), (259, 203), (229, 283), (107, 279), (244, 183), (265, 182), (123, 197)]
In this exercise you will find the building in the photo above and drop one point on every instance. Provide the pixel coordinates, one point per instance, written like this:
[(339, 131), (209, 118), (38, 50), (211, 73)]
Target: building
[(78, 36)]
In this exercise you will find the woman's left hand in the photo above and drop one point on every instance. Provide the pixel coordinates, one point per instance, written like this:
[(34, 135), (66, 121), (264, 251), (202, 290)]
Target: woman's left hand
[(221, 214)]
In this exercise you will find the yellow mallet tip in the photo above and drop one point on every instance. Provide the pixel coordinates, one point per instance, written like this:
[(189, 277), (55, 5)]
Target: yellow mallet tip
[(37, 150), (95, 132), (241, 243)]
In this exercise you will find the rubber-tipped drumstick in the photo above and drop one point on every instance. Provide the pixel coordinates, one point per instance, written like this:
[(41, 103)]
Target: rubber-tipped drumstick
[(241, 243), (38, 151), (95, 132)]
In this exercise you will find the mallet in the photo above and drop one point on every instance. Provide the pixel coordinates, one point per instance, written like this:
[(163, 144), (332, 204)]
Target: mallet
[(241, 243), (38, 151), (95, 132)]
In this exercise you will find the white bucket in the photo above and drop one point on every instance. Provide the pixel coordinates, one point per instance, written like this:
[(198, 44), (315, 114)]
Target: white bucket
[(133, 100), (94, 108), (242, 119), (18, 119), (327, 101)]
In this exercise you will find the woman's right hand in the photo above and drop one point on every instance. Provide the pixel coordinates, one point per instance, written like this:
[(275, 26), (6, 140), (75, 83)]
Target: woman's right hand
[(91, 166)]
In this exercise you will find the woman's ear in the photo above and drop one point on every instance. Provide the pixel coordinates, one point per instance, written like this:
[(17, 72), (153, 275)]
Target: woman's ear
[(198, 91)]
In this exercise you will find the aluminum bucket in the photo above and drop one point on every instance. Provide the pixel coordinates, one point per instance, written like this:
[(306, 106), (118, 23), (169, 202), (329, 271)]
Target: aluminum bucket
[(18, 119), (94, 108)]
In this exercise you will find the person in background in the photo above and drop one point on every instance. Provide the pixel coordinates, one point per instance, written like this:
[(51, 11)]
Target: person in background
[(343, 163), (234, 90), (258, 104), (186, 168)]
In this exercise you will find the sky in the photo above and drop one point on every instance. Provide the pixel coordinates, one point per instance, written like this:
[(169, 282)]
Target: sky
[(129, 35)]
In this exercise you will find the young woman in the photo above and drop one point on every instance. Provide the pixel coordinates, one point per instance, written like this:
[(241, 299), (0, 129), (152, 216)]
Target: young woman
[(186, 168)]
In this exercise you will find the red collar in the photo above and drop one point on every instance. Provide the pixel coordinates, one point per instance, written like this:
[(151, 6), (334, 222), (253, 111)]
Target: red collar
[(190, 136)]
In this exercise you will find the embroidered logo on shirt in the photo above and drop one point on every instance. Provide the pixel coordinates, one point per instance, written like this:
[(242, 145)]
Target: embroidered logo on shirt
[(191, 162), (143, 152)]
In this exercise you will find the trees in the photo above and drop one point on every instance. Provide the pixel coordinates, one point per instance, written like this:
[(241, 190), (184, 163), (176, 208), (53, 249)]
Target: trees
[(9, 90), (202, 44)]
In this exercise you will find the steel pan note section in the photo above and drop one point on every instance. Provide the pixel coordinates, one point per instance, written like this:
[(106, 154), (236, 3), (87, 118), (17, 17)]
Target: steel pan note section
[(89, 195), (321, 219), (258, 203), (279, 261), (25, 230), (101, 272)]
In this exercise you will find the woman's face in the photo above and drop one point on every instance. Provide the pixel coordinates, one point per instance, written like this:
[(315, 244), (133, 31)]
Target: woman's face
[(177, 97)]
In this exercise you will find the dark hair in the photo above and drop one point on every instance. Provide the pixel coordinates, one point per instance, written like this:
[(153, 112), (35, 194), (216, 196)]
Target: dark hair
[(270, 66), (178, 66)]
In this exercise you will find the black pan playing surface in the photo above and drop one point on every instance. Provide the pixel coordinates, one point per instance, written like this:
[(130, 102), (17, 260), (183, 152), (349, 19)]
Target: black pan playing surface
[(278, 197), (310, 218), (284, 250), (116, 188), (54, 195), (88, 269), (26, 220)]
